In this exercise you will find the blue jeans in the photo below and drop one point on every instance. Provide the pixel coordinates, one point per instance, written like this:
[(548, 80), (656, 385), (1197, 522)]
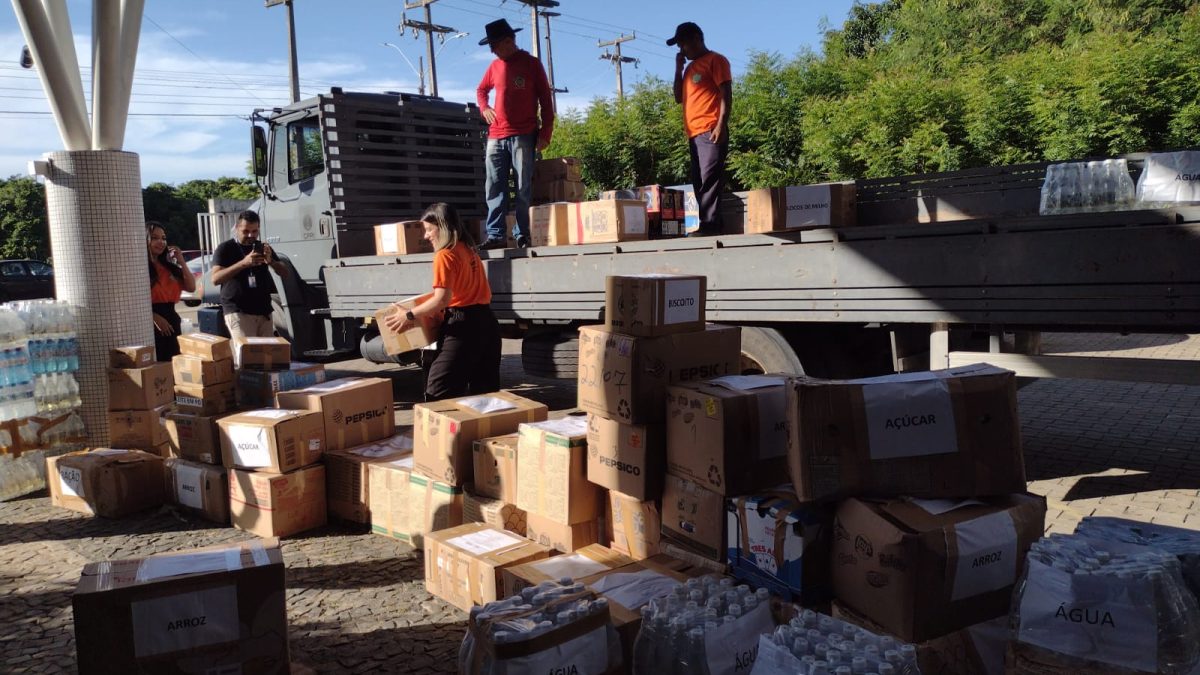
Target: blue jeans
[(505, 155)]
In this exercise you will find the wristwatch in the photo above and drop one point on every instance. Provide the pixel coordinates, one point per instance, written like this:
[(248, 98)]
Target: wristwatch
[(410, 316)]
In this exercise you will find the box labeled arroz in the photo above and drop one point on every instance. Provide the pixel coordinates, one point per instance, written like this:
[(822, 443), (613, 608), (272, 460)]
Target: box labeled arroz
[(347, 475), (946, 433), (206, 346), (463, 564), (625, 378), (272, 440), (356, 410), (277, 504), (649, 305), (926, 568), (106, 482), (495, 467), (779, 543), (444, 432), (729, 434), (552, 471), (627, 458), (216, 609), (202, 489)]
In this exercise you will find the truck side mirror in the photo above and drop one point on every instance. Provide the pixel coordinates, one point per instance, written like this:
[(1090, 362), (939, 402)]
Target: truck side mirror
[(258, 150)]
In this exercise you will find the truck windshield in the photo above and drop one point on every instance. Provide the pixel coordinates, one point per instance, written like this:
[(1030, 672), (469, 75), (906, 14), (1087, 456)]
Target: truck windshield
[(305, 158)]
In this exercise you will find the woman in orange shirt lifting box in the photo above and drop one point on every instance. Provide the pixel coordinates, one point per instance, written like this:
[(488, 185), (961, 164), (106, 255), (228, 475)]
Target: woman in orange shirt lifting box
[(468, 358)]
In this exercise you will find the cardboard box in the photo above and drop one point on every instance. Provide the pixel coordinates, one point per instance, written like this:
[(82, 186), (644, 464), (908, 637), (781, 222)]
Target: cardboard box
[(729, 434), (693, 518), (625, 378), (495, 467), (104, 482), (945, 433), (925, 568), (200, 488), (446, 431), (356, 410), (550, 224), (216, 609), (194, 437), (140, 388), (271, 440), (585, 562), (635, 525), (257, 388), (558, 191), (208, 347), (552, 471), (565, 538), (277, 504), (558, 168), (197, 371), (649, 305), (783, 545), (141, 429), (975, 650), (463, 564), (660, 228), (347, 479), (421, 335), (389, 500), (401, 238), (433, 506), (262, 353), (205, 400), (776, 209), (608, 221), (137, 356), (626, 458), (498, 513)]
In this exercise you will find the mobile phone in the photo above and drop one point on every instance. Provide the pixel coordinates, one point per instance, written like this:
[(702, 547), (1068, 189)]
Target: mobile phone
[(258, 247)]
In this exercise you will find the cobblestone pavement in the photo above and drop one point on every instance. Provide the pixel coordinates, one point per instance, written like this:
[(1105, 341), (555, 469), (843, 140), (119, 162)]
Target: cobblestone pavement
[(357, 603)]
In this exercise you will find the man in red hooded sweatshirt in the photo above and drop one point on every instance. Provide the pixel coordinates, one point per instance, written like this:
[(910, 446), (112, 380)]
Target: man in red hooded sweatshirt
[(514, 134)]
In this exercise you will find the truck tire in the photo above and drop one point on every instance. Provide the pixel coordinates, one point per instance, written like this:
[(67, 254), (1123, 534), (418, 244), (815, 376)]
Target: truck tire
[(766, 350), (553, 356)]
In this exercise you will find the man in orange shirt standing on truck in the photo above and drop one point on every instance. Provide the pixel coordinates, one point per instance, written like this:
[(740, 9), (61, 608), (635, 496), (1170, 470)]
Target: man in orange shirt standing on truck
[(514, 133), (705, 88)]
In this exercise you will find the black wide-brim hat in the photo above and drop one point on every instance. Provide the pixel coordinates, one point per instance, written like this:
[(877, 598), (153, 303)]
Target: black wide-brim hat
[(497, 30)]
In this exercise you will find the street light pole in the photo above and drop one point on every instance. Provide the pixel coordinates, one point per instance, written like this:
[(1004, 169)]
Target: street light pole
[(294, 72), (419, 72)]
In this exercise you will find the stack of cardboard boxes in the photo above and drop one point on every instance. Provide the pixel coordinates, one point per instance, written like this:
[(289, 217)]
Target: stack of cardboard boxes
[(205, 368), (139, 395), (664, 209), (558, 180)]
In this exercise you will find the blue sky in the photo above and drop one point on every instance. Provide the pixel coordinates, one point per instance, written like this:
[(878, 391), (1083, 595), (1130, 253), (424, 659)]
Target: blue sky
[(203, 64)]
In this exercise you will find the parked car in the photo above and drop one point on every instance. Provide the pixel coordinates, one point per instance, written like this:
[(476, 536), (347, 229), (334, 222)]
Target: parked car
[(196, 266), (25, 280)]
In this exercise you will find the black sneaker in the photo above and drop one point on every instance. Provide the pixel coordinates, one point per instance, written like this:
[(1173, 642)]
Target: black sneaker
[(492, 244), (522, 242)]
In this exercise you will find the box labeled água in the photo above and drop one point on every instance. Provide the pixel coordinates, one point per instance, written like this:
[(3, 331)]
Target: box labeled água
[(625, 378), (216, 609), (626, 458), (922, 568), (272, 440), (445, 431), (356, 410), (105, 482), (649, 305), (729, 434), (935, 434)]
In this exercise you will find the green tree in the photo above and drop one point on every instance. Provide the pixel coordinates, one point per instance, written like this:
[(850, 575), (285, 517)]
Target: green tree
[(24, 229)]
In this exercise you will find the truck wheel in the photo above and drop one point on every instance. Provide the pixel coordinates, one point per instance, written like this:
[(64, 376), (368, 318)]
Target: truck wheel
[(551, 355), (766, 350)]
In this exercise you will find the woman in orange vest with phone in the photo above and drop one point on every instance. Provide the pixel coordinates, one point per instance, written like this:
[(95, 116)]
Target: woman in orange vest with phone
[(468, 357)]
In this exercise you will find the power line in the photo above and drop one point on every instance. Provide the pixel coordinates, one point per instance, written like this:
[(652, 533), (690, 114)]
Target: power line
[(200, 58), (37, 112)]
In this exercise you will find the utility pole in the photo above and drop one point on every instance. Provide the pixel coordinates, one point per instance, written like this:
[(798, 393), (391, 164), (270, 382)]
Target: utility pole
[(618, 60), (554, 91), (295, 68), (429, 28), (534, 45)]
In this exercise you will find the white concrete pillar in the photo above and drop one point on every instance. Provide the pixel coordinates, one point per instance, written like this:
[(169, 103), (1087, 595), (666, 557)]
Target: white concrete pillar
[(98, 245)]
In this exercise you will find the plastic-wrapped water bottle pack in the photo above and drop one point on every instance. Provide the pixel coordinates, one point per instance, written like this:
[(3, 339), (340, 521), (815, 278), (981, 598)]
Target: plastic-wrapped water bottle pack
[(1181, 543), (552, 627), (1087, 187), (1086, 601), (815, 644)]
